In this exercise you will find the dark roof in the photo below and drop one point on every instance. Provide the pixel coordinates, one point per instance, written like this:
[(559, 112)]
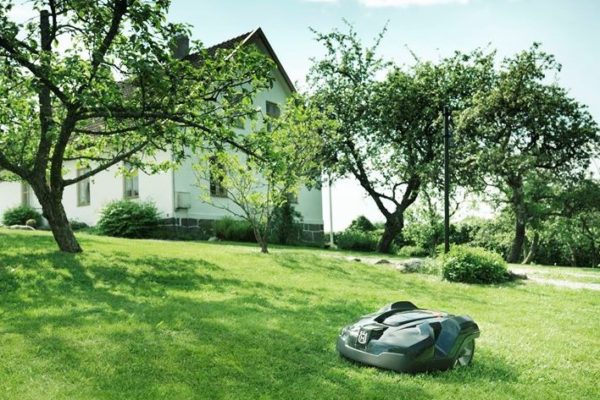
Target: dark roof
[(248, 37), (230, 43)]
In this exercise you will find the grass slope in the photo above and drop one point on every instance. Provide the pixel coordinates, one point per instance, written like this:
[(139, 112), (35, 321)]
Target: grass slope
[(155, 320)]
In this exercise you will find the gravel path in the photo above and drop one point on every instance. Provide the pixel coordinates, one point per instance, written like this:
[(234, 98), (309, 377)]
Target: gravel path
[(533, 276)]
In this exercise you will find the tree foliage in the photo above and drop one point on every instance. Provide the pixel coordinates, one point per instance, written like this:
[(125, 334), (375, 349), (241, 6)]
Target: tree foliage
[(528, 133), (390, 130), (283, 156), (97, 83)]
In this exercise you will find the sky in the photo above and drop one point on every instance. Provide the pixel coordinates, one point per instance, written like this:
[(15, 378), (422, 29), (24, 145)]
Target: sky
[(569, 29)]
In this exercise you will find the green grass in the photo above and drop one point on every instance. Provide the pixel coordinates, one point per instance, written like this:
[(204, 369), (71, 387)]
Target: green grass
[(171, 320)]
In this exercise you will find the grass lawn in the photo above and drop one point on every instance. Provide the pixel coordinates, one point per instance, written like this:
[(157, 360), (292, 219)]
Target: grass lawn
[(172, 320)]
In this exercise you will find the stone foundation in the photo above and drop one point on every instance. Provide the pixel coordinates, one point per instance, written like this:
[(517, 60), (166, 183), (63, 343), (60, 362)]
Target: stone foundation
[(202, 229)]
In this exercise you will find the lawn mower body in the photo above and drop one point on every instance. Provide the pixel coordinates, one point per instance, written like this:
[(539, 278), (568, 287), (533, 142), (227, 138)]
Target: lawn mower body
[(404, 338)]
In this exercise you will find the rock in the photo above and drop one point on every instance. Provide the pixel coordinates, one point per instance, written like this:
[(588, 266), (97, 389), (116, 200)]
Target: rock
[(382, 261), (22, 227), (213, 239), (513, 276), (353, 259), (411, 265)]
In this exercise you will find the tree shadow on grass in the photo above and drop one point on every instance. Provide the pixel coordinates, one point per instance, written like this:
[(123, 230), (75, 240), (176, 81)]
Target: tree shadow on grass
[(157, 327)]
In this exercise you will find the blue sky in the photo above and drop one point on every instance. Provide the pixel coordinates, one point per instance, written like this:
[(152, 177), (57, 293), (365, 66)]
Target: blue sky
[(570, 29)]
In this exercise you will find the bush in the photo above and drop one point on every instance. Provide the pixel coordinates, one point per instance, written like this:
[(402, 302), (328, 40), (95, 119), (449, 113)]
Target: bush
[(412, 251), (473, 265), (285, 226), (352, 239), (234, 230), (20, 215), (431, 266), (362, 224), (125, 218), (78, 225)]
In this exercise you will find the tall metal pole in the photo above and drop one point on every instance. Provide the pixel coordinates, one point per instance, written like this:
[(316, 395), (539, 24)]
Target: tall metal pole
[(331, 243), (446, 180)]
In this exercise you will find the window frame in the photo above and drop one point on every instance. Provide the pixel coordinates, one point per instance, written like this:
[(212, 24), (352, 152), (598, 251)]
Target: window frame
[(271, 105), (131, 178), (25, 194), (80, 201)]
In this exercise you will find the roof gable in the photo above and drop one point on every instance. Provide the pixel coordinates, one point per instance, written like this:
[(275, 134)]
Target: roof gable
[(255, 36)]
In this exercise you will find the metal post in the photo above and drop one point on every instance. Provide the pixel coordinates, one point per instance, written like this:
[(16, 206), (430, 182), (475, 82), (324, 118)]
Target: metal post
[(446, 180), (331, 243)]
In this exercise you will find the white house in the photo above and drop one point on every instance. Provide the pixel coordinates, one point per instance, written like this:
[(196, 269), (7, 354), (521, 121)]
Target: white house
[(176, 192)]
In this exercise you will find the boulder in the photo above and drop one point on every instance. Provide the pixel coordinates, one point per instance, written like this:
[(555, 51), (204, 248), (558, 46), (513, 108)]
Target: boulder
[(22, 227), (411, 265), (382, 261)]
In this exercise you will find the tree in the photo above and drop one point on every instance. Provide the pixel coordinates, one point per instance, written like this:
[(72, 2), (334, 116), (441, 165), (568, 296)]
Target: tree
[(283, 157), (94, 84), (526, 129), (390, 131)]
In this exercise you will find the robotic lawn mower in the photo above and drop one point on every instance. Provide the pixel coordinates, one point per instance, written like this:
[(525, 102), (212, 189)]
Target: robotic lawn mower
[(405, 338)]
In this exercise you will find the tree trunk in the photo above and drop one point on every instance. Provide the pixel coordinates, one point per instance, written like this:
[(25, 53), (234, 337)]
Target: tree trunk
[(54, 212), (533, 248), (518, 206), (261, 240), (516, 250), (393, 227)]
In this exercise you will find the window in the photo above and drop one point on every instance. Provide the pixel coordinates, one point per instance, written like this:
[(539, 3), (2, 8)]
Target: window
[(131, 183), (216, 179), (273, 111), (239, 122), (83, 188), (25, 194)]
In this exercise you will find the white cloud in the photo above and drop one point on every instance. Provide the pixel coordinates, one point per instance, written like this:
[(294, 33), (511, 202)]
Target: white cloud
[(408, 3), (321, 1)]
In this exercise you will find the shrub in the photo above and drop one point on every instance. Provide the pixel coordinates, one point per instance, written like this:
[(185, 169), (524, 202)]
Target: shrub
[(362, 224), (125, 218), (235, 230), (412, 251), (352, 239), (431, 266), (20, 215), (78, 225), (473, 265), (285, 226)]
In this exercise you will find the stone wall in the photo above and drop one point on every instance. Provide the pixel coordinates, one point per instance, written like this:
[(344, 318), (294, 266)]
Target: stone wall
[(202, 229)]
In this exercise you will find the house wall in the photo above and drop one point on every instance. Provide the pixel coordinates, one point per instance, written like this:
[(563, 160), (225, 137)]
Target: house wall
[(107, 186), (200, 212), (10, 195), (161, 188)]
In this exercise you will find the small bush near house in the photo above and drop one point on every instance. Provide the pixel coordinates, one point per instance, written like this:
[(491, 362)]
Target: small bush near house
[(125, 218), (362, 224), (234, 230), (473, 265), (78, 225), (352, 239), (20, 215)]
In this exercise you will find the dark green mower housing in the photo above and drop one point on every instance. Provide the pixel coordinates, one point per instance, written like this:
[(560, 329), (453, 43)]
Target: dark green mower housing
[(404, 338)]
